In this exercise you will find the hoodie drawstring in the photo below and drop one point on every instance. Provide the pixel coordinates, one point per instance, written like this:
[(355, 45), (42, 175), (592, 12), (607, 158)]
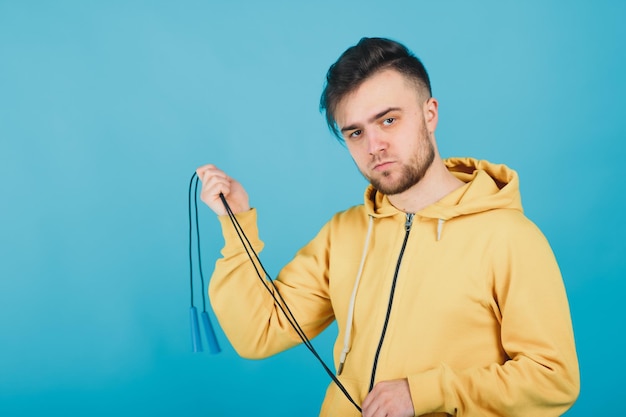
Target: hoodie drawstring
[(348, 333), (439, 228)]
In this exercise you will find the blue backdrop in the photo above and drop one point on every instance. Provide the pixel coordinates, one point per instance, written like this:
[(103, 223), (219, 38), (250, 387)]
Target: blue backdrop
[(106, 109)]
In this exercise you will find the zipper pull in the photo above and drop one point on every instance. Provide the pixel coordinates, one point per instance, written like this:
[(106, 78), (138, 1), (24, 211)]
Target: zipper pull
[(409, 221)]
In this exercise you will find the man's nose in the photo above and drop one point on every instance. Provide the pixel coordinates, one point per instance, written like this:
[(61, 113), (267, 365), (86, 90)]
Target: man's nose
[(376, 142)]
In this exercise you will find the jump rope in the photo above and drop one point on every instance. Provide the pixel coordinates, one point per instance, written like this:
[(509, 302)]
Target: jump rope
[(266, 279), (196, 341)]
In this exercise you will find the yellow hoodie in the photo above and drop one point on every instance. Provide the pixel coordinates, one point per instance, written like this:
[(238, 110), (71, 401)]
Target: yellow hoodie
[(477, 314)]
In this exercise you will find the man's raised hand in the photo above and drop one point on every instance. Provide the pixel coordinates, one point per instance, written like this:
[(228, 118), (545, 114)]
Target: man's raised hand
[(214, 182)]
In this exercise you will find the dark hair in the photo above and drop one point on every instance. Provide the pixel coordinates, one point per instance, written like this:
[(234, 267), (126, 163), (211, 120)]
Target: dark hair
[(363, 60)]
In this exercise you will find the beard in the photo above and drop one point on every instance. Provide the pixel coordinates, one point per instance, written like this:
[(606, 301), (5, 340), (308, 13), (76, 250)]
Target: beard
[(411, 172)]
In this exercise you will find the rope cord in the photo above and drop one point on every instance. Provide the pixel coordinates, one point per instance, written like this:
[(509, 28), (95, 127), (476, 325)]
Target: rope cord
[(193, 177), (198, 241), (193, 184), (280, 302)]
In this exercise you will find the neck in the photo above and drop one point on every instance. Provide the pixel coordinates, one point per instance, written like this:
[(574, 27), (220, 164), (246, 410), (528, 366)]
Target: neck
[(436, 184)]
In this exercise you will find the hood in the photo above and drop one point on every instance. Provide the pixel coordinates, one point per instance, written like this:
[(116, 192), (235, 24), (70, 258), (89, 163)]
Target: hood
[(487, 186)]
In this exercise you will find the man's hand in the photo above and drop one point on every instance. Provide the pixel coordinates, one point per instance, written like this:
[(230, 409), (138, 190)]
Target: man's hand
[(389, 399), (214, 182)]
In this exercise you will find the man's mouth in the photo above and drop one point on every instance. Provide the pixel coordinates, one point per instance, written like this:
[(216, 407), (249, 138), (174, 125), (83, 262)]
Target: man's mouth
[(382, 166)]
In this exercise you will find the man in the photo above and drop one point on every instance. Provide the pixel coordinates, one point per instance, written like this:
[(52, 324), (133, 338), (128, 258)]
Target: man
[(448, 299)]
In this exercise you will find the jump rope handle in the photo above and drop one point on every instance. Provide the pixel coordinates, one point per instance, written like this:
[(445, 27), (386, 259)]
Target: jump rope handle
[(196, 341), (214, 347)]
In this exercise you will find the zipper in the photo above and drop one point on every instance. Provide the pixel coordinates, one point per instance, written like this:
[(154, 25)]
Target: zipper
[(407, 227)]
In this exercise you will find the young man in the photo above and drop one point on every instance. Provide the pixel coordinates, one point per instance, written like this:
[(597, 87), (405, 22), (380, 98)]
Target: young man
[(448, 299)]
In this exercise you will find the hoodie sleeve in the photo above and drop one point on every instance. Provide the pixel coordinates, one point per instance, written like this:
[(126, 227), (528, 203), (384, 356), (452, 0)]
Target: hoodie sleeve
[(250, 317), (541, 375)]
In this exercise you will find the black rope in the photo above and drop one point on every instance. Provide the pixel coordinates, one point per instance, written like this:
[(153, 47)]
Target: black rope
[(280, 302), (193, 177), (198, 245)]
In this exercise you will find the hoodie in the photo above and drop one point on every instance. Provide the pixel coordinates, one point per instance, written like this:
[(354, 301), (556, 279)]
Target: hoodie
[(463, 298)]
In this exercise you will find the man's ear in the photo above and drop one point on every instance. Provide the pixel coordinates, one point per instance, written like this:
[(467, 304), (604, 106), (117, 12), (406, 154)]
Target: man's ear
[(431, 114)]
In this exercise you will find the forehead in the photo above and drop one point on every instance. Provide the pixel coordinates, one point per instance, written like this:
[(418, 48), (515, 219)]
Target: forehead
[(385, 89)]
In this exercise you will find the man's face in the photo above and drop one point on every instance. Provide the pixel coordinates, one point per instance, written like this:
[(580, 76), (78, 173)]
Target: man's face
[(384, 126)]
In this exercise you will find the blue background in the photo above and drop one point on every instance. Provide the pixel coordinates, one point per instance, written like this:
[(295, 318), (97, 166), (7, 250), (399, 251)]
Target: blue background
[(106, 109)]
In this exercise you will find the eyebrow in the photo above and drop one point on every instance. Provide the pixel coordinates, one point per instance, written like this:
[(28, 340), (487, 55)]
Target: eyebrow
[(371, 119)]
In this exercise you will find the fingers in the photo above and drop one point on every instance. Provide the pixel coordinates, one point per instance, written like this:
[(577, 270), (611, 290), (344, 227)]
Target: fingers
[(209, 168), (216, 182), (390, 399), (210, 172)]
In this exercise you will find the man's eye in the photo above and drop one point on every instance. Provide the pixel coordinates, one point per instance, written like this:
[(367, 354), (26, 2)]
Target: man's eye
[(389, 121), (356, 134)]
